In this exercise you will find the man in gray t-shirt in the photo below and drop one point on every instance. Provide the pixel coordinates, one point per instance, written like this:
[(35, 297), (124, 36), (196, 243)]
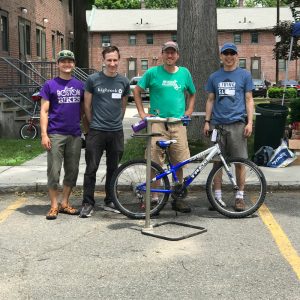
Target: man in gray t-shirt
[(105, 100)]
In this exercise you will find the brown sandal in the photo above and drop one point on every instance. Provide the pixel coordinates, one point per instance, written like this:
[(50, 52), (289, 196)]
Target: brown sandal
[(69, 210), (52, 214)]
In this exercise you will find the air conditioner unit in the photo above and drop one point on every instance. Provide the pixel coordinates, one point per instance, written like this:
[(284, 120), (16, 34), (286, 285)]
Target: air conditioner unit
[(105, 44)]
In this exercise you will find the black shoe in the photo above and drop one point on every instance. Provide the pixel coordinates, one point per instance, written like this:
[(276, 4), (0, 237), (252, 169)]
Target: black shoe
[(181, 206), (110, 206), (86, 210)]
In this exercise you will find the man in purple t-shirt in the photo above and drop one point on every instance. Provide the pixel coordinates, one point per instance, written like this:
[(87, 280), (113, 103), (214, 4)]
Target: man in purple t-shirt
[(61, 107)]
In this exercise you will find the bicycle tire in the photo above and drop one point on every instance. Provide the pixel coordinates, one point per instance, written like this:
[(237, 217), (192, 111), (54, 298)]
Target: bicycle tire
[(28, 131), (254, 190), (128, 199)]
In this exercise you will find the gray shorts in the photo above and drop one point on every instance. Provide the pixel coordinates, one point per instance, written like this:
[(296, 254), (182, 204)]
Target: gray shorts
[(233, 143), (64, 149)]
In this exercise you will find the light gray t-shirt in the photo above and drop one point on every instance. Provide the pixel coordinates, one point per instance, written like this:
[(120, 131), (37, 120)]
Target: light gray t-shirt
[(107, 100)]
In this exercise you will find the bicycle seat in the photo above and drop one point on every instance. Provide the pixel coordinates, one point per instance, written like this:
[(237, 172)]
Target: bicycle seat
[(165, 144)]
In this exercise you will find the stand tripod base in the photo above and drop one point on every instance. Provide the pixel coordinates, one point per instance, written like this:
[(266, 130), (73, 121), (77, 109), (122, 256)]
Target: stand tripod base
[(164, 237)]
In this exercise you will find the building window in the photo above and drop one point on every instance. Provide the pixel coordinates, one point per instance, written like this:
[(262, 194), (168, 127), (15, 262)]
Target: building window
[(237, 38), (254, 37), (105, 39), (62, 43), (242, 63), (174, 37), (70, 7), (28, 39), (149, 38), (132, 39), (282, 64), (38, 41), (53, 46), (4, 32), (144, 63)]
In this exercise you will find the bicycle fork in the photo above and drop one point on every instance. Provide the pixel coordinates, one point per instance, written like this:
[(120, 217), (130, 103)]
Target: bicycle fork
[(228, 172)]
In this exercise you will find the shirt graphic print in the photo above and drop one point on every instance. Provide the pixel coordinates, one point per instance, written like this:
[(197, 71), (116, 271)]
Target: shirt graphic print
[(226, 88)]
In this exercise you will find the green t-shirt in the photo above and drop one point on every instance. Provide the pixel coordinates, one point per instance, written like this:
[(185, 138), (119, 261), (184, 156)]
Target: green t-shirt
[(167, 90)]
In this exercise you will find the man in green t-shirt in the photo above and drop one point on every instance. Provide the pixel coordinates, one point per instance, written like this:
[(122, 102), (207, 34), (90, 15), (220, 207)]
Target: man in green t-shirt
[(169, 86)]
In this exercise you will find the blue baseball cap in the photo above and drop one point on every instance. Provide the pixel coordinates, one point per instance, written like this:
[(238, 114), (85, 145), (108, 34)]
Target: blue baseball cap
[(229, 46)]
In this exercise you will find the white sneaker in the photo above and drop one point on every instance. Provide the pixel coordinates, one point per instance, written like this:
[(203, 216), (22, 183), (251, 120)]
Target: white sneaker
[(110, 207), (221, 202)]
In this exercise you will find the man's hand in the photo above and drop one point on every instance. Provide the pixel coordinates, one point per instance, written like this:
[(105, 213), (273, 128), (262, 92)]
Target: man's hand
[(248, 130), (206, 129), (46, 143)]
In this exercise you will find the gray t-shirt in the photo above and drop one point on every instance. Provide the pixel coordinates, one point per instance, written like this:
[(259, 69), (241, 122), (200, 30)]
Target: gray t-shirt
[(107, 100)]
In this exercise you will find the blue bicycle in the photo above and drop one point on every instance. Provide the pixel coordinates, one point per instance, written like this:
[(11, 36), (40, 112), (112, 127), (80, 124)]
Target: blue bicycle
[(128, 185)]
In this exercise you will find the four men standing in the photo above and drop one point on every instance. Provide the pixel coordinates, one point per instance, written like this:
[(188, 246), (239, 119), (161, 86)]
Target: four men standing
[(172, 94)]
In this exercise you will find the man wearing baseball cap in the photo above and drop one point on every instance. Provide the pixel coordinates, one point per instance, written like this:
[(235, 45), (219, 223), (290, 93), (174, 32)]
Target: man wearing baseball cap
[(230, 105), (61, 111), (168, 86)]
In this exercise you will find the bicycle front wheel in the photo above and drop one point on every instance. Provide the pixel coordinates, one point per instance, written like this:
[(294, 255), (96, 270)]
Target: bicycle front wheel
[(128, 189), (28, 131), (249, 179)]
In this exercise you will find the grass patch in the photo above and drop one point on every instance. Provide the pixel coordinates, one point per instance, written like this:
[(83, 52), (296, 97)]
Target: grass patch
[(14, 152)]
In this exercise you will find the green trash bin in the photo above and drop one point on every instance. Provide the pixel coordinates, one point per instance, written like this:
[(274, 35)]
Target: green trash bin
[(269, 125)]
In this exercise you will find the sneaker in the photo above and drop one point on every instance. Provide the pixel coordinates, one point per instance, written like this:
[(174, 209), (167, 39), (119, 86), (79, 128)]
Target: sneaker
[(52, 213), (110, 206), (181, 206), (221, 202), (86, 210), (239, 204)]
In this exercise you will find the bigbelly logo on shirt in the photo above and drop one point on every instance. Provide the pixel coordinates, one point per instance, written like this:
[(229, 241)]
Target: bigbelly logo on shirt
[(68, 95), (226, 88)]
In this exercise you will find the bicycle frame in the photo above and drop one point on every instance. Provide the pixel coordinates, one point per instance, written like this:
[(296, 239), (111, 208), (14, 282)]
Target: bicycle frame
[(172, 169)]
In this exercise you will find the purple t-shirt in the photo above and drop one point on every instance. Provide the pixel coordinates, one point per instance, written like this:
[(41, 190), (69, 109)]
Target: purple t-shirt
[(65, 98)]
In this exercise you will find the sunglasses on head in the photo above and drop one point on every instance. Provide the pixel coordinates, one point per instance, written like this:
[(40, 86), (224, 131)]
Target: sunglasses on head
[(228, 52), (67, 53)]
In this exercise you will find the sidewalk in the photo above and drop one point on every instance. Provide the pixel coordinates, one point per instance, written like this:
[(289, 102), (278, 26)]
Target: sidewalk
[(31, 176)]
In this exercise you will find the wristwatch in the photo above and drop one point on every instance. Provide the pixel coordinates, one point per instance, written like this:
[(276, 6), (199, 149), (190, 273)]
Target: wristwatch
[(207, 121)]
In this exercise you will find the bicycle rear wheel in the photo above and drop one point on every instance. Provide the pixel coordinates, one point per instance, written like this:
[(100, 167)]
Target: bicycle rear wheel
[(28, 131), (254, 187), (129, 195)]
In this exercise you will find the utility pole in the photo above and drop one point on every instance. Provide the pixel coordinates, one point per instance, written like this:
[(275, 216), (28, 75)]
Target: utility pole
[(277, 56)]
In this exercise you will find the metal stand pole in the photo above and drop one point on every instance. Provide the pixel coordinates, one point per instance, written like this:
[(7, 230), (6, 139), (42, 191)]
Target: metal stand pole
[(148, 225)]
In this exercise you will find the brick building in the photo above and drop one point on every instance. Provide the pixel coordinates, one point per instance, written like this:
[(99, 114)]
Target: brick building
[(35, 29), (140, 33)]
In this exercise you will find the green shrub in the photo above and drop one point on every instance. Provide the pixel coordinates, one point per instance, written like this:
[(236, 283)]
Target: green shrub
[(294, 115), (277, 92)]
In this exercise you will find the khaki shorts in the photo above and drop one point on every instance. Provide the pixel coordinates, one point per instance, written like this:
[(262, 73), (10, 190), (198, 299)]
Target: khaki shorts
[(178, 151)]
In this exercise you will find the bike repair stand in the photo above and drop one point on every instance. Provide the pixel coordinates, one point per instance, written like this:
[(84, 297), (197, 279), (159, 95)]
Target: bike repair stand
[(148, 229)]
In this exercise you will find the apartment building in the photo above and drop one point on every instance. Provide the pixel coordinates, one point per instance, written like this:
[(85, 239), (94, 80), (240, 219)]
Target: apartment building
[(35, 29), (140, 33)]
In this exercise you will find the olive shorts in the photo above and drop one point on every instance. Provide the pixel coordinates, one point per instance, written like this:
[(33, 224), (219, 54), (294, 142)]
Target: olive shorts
[(233, 143), (64, 149)]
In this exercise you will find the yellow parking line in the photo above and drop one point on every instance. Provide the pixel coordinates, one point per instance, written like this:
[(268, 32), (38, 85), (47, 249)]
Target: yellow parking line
[(285, 246), (11, 208)]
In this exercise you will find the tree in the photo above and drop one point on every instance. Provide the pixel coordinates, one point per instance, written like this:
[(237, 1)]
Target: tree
[(284, 31), (81, 49), (227, 3), (265, 3), (118, 4), (161, 3), (198, 43)]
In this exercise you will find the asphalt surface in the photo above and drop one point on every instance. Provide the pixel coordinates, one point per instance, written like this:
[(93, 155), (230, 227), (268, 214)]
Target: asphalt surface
[(107, 257)]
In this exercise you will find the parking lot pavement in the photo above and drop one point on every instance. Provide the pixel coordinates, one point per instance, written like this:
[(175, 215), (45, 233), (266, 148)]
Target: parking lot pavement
[(107, 257)]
